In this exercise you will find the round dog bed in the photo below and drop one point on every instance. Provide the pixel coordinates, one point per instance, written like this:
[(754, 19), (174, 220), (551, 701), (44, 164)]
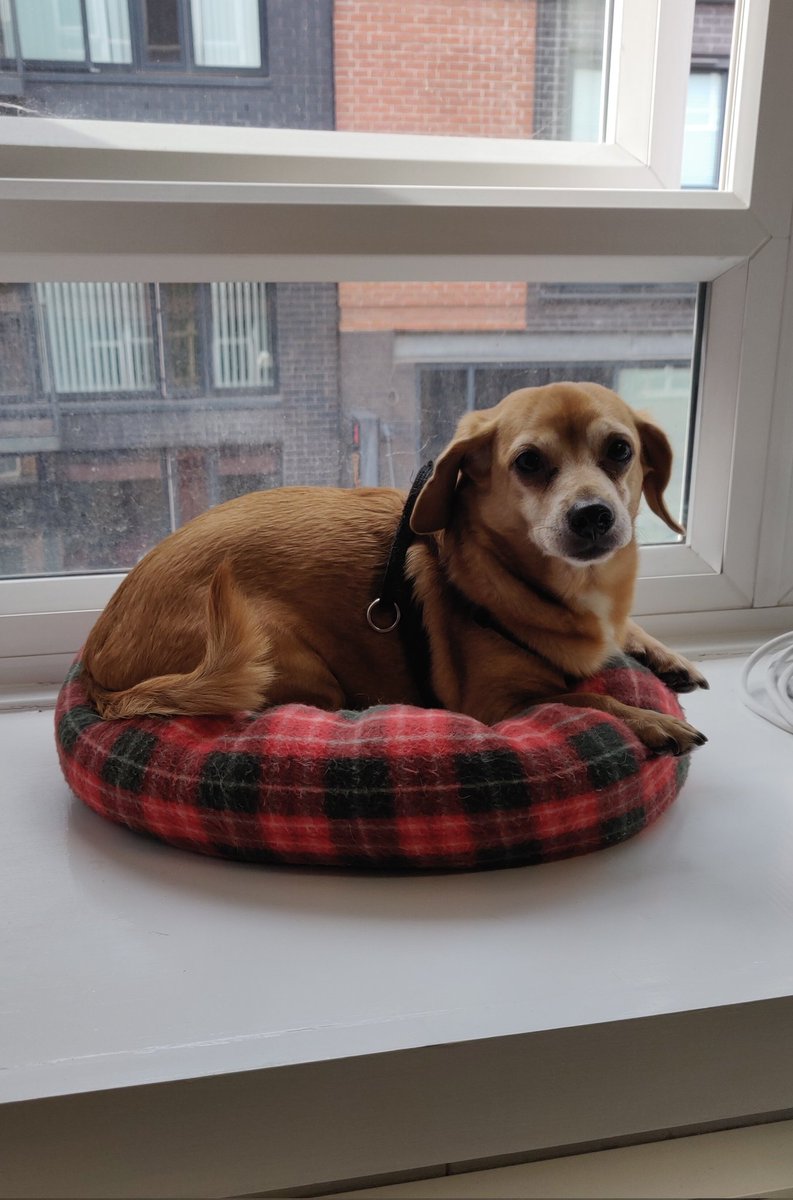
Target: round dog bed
[(391, 787)]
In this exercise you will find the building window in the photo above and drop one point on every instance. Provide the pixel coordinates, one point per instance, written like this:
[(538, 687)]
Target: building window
[(163, 36), (205, 35), (241, 356), (175, 340), (226, 33), (707, 92), (99, 336)]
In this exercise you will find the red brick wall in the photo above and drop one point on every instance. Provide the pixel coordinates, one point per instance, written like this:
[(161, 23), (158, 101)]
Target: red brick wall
[(432, 306), (434, 67)]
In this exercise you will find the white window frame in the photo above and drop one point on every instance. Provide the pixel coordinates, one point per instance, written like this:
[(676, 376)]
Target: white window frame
[(328, 206)]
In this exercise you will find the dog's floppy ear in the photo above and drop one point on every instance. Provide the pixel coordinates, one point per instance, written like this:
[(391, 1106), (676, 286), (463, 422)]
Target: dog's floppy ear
[(469, 451), (657, 464)]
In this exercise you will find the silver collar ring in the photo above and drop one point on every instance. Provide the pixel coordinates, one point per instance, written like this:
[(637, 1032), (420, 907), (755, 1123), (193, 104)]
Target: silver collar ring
[(383, 628)]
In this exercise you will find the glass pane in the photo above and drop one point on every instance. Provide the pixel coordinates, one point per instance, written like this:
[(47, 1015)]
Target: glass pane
[(487, 68), (51, 30), (127, 409), (226, 33), (240, 337), (8, 47), (707, 93), (162, 35), (182, 318), (568, 64), (108, 31), (704, 125), (99, 336)]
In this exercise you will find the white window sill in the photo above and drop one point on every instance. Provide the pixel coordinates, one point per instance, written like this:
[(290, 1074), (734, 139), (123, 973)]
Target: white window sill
[(203, 1025)]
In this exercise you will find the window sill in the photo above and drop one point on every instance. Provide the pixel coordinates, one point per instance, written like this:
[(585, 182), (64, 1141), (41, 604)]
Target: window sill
[(189, 1005)]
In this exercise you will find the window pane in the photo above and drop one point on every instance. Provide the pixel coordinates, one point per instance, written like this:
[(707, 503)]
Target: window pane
[(707, 93), (664, 392), (704, 124), (487, 68), (126, 409), (182, 317), (51, 30), (568, 62), (99, 336), (240, 339), (226, 33), (162, 35), (108, 31), (8, 47)]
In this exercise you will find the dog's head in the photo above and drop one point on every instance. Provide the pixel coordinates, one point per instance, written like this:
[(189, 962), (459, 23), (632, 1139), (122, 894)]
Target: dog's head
[(564, 466)]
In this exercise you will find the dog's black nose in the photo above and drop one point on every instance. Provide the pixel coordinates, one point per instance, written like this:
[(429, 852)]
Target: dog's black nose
[(590, 520)]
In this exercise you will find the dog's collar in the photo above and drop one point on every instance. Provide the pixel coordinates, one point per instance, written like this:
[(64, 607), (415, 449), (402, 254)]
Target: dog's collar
[(396, 599)]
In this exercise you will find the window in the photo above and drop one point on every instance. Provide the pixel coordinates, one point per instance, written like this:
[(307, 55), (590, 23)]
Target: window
[(419, 263), (241, 356), (107, 339), (98, 336), (707, 92), (142, 34)]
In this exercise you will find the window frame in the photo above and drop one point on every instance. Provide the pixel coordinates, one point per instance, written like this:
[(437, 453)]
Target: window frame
[(362, 207)]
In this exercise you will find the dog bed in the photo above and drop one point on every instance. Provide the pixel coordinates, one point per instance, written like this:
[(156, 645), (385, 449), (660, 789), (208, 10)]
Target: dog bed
[(391, 787)]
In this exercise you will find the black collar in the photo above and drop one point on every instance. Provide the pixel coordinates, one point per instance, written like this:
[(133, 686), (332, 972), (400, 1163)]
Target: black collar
[(396, 606)]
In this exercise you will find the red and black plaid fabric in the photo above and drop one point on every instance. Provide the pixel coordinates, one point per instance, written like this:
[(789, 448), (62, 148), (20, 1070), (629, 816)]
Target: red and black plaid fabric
[(391, 788)]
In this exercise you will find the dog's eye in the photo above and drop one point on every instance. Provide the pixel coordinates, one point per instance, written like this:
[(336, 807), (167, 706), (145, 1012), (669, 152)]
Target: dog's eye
[(529, 462), (619, 451)]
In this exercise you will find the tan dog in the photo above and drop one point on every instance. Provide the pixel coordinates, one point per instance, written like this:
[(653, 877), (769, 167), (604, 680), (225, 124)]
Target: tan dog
[(523, 563)]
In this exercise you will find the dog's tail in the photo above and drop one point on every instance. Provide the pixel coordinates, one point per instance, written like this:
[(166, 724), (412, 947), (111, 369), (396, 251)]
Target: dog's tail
[(233, 674)]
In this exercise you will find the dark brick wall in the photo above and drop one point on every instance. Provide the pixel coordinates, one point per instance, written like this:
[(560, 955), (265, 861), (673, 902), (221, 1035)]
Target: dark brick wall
[(552, 309), (713, 30), (307, 333), (568, 35), (297, 92)]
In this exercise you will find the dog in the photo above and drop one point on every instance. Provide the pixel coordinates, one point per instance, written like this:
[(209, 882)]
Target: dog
[(516, 572)]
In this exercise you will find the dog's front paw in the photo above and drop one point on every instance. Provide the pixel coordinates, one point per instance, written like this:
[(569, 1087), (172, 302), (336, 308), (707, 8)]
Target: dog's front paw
[(679, 674), (673, 669), (665, 734)]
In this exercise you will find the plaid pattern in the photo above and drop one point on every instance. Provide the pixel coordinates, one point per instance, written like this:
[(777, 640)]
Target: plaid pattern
[(391, 787)]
